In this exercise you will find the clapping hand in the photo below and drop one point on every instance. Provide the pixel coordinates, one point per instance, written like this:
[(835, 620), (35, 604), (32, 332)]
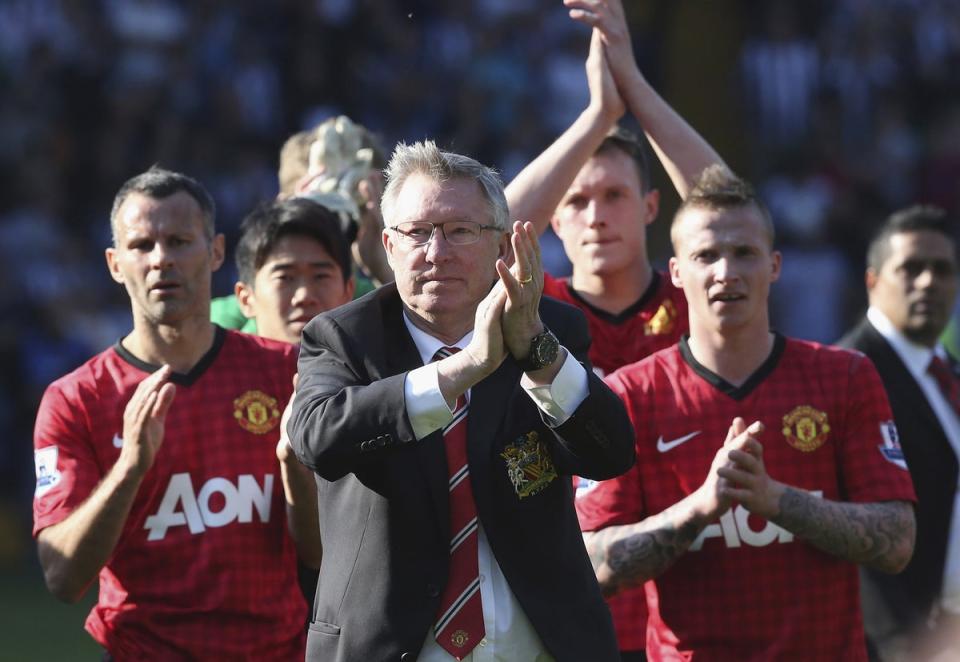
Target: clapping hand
[(523, 284), (144, 418)]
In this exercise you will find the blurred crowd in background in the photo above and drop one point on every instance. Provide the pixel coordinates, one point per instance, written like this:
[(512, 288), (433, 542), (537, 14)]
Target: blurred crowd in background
[(839, 111)]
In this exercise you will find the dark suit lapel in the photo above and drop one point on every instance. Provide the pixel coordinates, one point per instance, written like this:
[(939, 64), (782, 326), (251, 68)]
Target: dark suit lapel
[(403, 356), (487, 412), (901, 379)]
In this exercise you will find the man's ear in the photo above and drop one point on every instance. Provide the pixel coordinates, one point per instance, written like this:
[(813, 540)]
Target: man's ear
[(349, 289), (673, 266), (651, 205), (776, 265), (113, 265), (870, 277), (555, 224), (217, 251), (387, 238), (246, 298)]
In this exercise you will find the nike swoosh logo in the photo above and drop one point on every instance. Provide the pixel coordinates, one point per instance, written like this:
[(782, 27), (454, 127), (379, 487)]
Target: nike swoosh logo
[(117, 441), (664, 446)]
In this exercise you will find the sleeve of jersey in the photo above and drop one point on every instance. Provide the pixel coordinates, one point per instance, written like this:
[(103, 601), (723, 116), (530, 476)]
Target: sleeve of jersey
[(66, 468), (618, 500), (872, 463)]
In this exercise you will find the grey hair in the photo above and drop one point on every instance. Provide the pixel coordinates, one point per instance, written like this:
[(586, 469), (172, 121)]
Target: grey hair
[(427, 159), (158, 183)]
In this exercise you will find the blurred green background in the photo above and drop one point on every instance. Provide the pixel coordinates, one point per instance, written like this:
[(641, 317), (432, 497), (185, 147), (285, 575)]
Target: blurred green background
[(35, 626)]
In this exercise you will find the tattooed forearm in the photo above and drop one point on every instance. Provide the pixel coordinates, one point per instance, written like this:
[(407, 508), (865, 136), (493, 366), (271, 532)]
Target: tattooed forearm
[(628, 555), (877, 535)]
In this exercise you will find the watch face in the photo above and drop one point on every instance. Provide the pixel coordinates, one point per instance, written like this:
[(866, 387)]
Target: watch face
[(543, 351), (546, 349)]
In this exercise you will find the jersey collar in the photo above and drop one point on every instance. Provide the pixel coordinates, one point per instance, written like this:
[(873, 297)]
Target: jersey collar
[(721, 384), (626, 314), (177, 378)]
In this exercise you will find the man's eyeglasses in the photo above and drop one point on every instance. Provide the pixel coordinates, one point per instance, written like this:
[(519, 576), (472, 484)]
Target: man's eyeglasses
[(419, 233)]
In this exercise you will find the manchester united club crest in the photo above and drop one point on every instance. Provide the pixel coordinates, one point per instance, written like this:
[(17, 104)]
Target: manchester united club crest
[(806, 428), (256, 412), (459, 638), (662, 321), (529, 466)]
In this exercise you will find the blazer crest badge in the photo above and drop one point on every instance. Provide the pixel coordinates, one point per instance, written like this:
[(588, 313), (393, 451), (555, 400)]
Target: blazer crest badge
[(806, 428), (529, 465)]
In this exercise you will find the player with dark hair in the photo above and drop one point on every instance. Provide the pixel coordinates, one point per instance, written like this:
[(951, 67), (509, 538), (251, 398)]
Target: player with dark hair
[(156, 459), (751, 534), (293, 263), (336, 164)]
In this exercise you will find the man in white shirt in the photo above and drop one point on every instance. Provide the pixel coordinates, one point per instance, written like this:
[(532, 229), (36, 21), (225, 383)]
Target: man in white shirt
[(911, 280), (444, 415)]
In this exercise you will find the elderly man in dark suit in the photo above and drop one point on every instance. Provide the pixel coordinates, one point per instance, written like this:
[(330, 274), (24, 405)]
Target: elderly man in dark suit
[(911, 281), (444, 415)]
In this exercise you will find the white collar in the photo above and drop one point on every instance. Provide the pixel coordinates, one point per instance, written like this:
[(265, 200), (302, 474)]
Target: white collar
[(916, 357), (426, 344)]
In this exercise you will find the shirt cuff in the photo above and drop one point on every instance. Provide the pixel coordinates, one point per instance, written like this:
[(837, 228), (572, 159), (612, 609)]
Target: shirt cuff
[(426, 407), (559, 399)]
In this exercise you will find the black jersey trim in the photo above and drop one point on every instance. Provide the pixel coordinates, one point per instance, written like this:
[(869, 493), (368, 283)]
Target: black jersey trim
[(721, 384), (219, 336), (628, 313)]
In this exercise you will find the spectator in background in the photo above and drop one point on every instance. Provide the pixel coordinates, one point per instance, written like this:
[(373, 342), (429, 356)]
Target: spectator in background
[(156, 460), (911, 280), (751, 542), (781, 76), (800, 198)]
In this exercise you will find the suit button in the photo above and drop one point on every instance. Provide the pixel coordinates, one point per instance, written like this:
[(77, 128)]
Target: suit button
[(433, 591), (407, 657)]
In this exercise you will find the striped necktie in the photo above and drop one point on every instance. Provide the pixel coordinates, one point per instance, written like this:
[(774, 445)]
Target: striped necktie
[(459, 627), (947, 382)]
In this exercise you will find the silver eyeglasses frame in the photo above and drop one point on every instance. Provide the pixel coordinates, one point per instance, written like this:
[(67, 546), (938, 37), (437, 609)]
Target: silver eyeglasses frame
[(471, 235)]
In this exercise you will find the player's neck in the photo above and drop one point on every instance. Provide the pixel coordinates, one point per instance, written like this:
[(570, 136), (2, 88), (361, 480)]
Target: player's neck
[(613, 292), (180, 346), (732, 356)]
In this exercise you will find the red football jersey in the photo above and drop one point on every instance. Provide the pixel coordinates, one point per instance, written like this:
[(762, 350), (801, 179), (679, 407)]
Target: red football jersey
[(655, 322), (204, 568), (747, 589)]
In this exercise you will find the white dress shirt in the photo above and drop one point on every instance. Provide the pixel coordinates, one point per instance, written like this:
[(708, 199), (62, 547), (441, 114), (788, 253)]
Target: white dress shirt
[(917, 360), (509, 634)]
